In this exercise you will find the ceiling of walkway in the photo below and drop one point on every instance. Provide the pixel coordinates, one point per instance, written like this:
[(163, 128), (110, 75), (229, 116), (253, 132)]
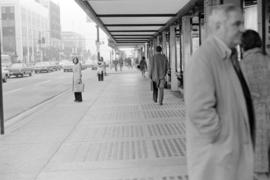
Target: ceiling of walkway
[(132, 22)]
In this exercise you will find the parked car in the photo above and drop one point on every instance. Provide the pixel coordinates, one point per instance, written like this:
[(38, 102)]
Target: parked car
[(20, 69), (55, 65), (5, 74), (43, 67), (67, 66)]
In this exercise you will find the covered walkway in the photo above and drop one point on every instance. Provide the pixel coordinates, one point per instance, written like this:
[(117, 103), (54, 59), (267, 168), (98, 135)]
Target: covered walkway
[(117, 133)]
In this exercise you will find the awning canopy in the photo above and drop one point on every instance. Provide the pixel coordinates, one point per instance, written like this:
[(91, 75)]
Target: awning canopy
[(132, 22)]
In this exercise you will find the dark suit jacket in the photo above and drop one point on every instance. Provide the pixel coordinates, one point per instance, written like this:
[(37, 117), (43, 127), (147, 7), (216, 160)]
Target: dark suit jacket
[(158, 67)]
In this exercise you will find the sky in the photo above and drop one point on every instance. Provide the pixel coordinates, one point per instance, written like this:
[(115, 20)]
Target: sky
[(74, 19)]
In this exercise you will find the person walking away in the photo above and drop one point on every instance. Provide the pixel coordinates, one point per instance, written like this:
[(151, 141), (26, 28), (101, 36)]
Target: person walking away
[(121, 63), (219, 113), (157, 73), (100, 69), (256, 70), (115, 63), (143, 66), (77, 85)]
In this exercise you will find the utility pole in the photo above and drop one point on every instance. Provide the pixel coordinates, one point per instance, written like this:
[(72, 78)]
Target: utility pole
[(1, 95), (98, 44)]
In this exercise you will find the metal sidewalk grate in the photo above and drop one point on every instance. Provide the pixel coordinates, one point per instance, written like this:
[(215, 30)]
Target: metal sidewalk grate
[(170, 113), (165, 148), (109, 132), (165, 129)]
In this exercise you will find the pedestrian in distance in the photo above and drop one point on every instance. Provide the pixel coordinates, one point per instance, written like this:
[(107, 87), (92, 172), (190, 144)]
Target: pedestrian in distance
[(115, 63), (100, 69), (219, 110), (77, 84), (143, 66), (256, 69), (157, 73), (121, 63)]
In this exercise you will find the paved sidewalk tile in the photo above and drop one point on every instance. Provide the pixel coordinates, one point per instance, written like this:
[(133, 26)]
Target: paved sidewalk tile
[(123, 135)]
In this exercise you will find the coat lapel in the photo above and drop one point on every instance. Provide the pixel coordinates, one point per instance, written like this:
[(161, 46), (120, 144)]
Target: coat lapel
[(234, 79)]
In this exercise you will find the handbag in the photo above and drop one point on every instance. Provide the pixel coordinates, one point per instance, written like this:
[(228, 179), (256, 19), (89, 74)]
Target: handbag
[(80, 87)]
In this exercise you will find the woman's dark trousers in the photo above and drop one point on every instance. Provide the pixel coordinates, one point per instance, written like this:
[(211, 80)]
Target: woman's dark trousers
[(100, 77), (78, 96)]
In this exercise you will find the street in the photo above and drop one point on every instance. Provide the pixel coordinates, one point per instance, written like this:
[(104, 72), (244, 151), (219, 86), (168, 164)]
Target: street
[(22, 94)]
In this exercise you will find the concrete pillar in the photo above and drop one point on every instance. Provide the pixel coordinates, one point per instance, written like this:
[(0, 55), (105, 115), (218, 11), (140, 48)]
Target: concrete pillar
[(146, 52), (264, 23), (164, 40), (174, 81), (260, 15), (154, 44), (158, 41), (186, 42)]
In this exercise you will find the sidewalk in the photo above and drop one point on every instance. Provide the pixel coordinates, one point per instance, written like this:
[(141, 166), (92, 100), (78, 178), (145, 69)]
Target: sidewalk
[(117, 133)]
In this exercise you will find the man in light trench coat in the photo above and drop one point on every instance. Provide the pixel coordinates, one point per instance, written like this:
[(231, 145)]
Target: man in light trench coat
[(218, 130)]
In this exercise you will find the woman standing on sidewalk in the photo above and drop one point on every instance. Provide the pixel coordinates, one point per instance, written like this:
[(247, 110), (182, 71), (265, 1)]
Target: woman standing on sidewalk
[(256, 68), (100, 69), (77, 85)]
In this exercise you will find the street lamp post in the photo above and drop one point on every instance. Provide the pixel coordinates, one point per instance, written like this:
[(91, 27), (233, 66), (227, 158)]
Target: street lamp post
[(98, 43), (1, 95)]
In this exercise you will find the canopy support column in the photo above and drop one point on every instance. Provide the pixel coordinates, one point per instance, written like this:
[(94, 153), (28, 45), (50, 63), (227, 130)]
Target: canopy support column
[(187, 45), (174, 81), (1, 95), (164, 48)]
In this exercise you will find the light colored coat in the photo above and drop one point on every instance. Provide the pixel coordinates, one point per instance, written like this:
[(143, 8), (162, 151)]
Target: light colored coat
[(77, 77), (217, 129), (100, 67), (158, 67), (256, 69)]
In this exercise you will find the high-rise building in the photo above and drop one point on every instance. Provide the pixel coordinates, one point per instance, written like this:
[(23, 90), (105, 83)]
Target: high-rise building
[(30, 30), (24, 29), (54, 29)]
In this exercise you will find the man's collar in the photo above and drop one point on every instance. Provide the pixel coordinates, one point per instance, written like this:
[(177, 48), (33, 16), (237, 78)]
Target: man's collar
[(224, 49)]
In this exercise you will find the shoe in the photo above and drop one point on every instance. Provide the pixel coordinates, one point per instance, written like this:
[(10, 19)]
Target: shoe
[(161, 103)]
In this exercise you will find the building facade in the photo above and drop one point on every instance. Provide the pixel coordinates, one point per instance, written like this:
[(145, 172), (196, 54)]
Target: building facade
[(24, 29), (73, 44), (30, 30), (54, 41)]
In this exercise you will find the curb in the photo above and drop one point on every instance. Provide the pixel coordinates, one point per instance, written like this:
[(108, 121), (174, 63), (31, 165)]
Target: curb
[(16, 121)]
